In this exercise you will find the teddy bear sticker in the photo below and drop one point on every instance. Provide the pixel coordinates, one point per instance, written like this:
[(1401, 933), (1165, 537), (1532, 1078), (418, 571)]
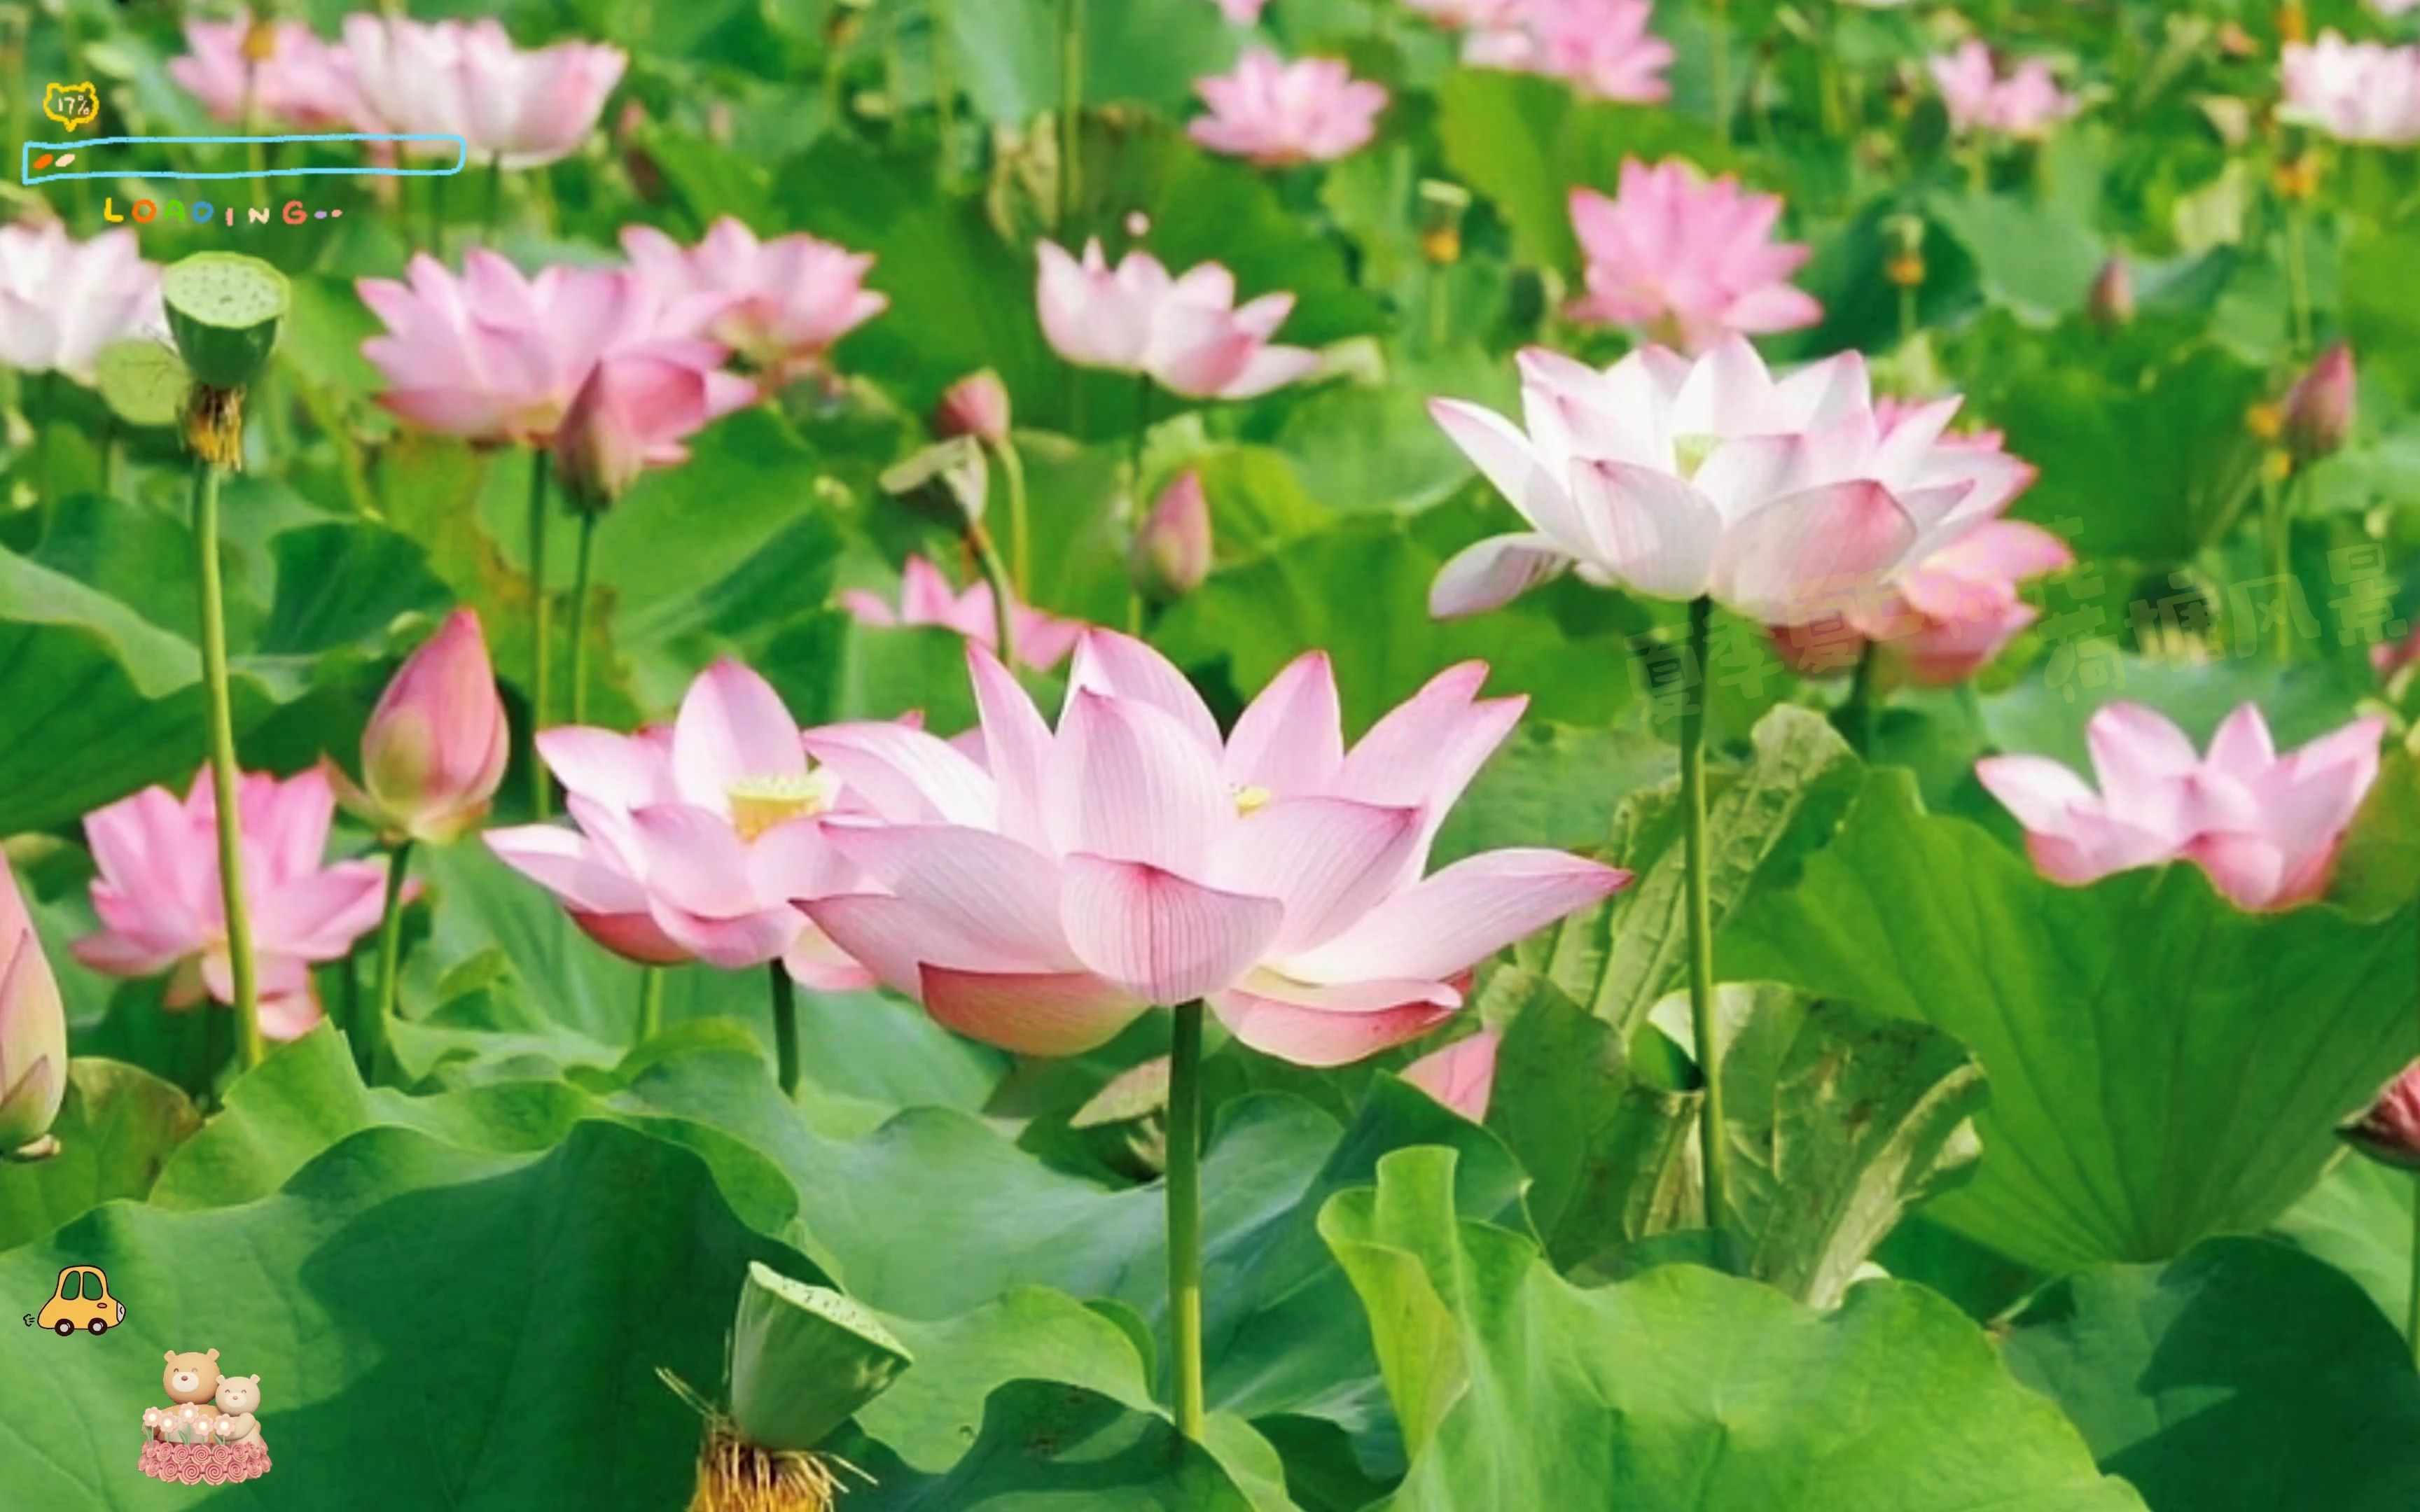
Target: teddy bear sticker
[(208, 1432)]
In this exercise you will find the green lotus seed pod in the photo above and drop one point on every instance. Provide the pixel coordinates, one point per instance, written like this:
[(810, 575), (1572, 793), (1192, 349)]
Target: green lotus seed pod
[(226, 309), (143, 382), (803, 1360)]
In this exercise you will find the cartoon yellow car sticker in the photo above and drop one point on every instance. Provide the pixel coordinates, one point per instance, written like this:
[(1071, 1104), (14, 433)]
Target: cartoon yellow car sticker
[(82, 1301)]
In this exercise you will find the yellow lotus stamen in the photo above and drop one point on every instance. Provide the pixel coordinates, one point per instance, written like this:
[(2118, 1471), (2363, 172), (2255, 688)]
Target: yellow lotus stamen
[(1251, 799), (759, 803), (1690, 452)]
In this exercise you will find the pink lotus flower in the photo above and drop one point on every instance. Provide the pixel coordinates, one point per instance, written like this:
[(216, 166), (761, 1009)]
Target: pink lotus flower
[(2353, 91), (2392, 7), (2026, 103), (302, 82), (2266, 828), (1241, 12), (62, 301), (498, 357), (1953, 611), (1601, 48), (1461, 1075), (1044, 899), (2388, 1129), (633, 412), (160, 901), (1275, 112), (977, 406), (691, 840), (925, 597), (434, 752), (1675, 477), (33, 1026), (788, 300), (2320, 407), (521, 109), (1469, 14), (1172, 552), (1186, 333), (1687, 261)]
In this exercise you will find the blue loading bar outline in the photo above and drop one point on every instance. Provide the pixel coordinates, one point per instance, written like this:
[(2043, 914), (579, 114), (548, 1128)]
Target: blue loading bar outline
[(26, 173)]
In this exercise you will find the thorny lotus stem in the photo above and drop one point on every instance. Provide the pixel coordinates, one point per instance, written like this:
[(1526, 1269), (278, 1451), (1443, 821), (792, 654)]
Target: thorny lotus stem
[(651, 1002), (1185, 1219), (1020, 554), (223, 769), (785, 1029), (579, 564), (1701, 923), (1136, 509), (1003, 602), (379, 1031), (1071, 108), (541, 617)]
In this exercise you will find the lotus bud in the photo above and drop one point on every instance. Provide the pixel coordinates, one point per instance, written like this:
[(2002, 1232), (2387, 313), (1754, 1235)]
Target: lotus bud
[(2389, 1129), (33, 1027), (628, 408), (2112, 301), (1172, 552), (950, 479), (2318, 408), (434, 752), (1461, 1075), (976, 406)]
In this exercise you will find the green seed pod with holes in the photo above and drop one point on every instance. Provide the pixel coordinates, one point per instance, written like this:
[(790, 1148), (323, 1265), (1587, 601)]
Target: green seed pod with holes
[(225, 311), (803, 1360)]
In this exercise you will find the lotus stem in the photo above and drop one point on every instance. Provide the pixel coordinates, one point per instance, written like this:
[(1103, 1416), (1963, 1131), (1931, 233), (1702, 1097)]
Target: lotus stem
[(2277, 513), (2412, 1308), (490, 217), (1071, 108), (1020, 546), (1716, 1156), (785, 1029), (580, 564), (1719, 70), (1136, 510), (1185, 1219), (542, 795), (379, 1031), (1861, 715), (49, 408), (945, 87), (1004, 600), (2297, 279), (651, 1002), (222, 767)]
